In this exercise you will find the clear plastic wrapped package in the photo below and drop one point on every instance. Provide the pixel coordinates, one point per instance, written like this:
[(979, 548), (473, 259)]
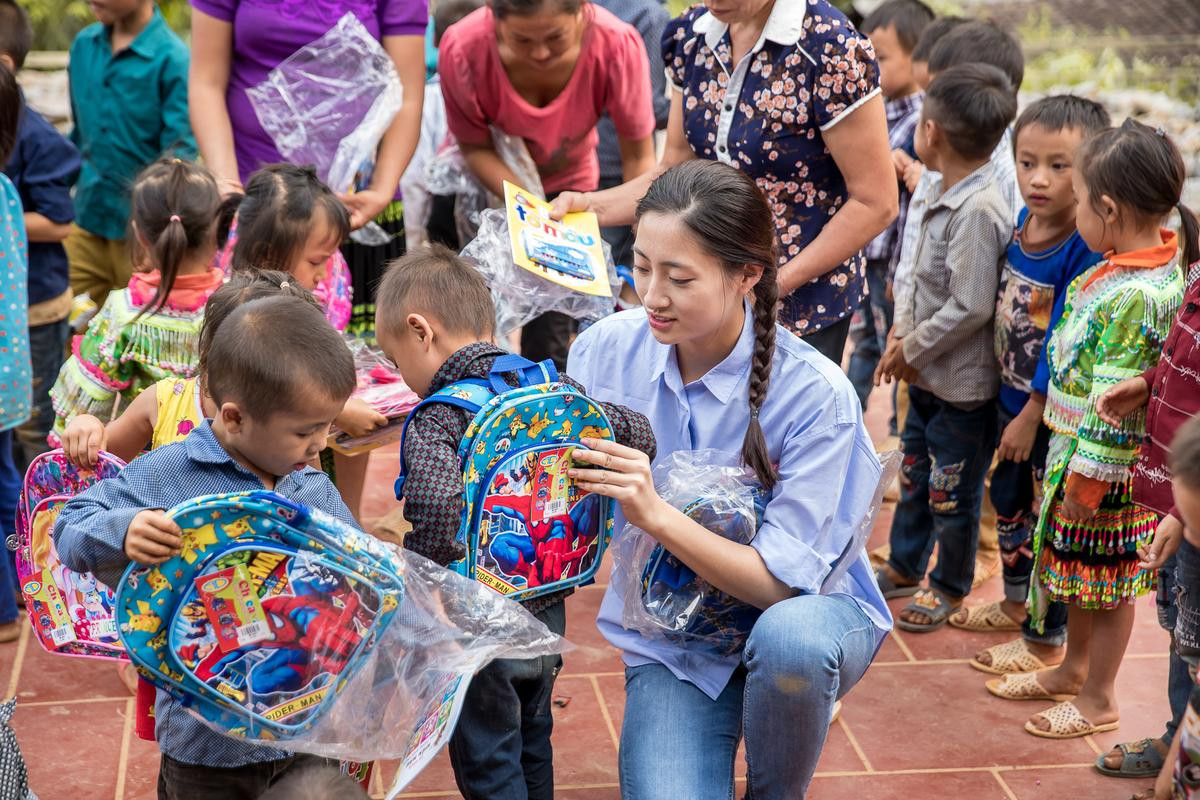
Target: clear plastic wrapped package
[(279, 625), (521, 295), (329, 103), (663, 598), (447, 174)]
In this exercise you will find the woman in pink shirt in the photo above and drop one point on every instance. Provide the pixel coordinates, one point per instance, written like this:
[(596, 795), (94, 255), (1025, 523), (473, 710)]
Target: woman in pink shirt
[(546, 70)]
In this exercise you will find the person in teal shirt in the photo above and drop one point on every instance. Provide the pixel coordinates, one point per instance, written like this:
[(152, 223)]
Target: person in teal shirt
[(129, 99)]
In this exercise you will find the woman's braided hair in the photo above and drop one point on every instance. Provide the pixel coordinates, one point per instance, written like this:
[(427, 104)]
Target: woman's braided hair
[(730, 218)]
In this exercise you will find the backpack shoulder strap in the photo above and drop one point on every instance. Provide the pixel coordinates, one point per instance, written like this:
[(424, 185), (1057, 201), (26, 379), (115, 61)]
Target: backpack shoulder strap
[(469, 394)]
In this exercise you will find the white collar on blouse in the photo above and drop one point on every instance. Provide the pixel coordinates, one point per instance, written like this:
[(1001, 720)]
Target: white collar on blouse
[(783, 25)]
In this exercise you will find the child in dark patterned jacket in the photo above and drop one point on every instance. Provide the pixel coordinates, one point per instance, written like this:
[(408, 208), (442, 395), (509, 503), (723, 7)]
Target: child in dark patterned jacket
[(435, 319)]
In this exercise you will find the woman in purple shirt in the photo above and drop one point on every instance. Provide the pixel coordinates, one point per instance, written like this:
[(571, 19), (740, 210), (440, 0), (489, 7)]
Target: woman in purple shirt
[(235, 43)]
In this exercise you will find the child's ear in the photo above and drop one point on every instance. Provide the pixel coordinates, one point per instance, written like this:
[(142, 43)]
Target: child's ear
[(419, 326), (750, 277), (1111, 215), (231, 417)]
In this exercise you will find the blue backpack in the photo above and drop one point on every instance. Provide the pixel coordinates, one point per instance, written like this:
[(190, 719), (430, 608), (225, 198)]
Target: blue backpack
[(526, 527)]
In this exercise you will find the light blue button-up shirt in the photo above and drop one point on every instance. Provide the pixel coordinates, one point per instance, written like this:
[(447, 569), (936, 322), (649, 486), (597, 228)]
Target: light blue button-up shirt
[(813, 423)]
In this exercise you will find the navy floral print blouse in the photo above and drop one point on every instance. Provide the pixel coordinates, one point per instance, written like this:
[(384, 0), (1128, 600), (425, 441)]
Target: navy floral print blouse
[(765, 115)]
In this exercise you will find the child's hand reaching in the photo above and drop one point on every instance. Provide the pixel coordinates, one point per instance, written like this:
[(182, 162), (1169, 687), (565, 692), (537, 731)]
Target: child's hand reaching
[(83, 440), (1121, 400), (359, 419), (900, 162), (152, 537), (892, 365), (1166, 543), (1016, 442), (912, 175)]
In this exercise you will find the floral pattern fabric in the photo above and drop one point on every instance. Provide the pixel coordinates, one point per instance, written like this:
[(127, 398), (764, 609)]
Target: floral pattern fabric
[(766, 115)]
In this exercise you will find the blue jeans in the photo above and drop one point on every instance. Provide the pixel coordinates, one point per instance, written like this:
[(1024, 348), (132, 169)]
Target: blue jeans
[(47, 351), (1179, 682), (1013, 497), (876, 314), (500, 749), (10, 489), (803, 654), (947, 451)]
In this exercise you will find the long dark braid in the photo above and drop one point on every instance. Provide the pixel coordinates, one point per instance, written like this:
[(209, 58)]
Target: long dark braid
[(727, 213)]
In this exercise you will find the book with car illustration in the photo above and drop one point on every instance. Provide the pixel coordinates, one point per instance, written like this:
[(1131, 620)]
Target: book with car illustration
[(567, 252)]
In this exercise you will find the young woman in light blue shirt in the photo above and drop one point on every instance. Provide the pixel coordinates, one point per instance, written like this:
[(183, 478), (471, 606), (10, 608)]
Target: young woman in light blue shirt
[(706, 362)]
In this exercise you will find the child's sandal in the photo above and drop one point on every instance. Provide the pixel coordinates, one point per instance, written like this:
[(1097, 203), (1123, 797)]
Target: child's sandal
[(932, 604), (1023, 686), (1009, 658), (986, 618)]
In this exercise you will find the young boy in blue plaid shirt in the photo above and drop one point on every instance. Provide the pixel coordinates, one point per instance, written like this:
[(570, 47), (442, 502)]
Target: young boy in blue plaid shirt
[(276, 398), (895, 28)]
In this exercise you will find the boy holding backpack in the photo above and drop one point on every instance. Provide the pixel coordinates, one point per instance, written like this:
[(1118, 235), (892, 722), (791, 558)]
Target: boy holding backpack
[(434, 319)]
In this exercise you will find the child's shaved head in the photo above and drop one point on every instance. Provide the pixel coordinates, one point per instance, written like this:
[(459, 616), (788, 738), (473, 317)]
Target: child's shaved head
[(435, 282)]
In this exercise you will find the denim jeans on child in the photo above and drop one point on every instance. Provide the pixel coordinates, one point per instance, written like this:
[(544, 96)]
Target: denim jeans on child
[(1014, 497), (501, 747), (10, 489), (47, 351), (677, 742), (876, 314), (1187, 601), (947, 452), (1179, 682)]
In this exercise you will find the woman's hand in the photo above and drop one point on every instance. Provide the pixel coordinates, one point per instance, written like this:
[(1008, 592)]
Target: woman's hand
[(365, 206), (359, 419), (229, 186), (1121, 400), (569, 203), (83, 440), (623, 474)]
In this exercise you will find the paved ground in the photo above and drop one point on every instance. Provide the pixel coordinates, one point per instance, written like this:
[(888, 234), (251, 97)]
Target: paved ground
[(919, 725)]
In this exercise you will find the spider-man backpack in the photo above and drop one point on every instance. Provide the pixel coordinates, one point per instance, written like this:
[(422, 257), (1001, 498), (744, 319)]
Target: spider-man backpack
[(527, 529)]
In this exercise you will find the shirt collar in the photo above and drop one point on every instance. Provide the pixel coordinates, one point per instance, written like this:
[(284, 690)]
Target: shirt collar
[(1148, 256), (723, 380), (954, 197), (784, 25), (461, 364), (202, 445), (145, 44)]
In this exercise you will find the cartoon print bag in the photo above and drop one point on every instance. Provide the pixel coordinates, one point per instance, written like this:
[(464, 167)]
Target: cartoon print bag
[(71, 613), (263, 617), (527, 528)]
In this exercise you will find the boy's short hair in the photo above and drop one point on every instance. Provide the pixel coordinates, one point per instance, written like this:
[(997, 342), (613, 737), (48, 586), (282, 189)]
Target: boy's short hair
[(271, 353), (973, 105), (1184, 458), (16, 33), (449, 12), (241, 288), (437, 282), (1063, 111), (979, 41), (933, 34), (908, 18)]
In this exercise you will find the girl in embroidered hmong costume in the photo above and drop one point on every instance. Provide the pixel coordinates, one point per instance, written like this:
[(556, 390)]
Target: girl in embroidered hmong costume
[(147, 332), (1127, 181)]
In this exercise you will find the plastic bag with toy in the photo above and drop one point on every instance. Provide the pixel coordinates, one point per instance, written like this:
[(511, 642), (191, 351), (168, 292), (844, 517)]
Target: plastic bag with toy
[(381, 387), (521, 295), (663, 598)]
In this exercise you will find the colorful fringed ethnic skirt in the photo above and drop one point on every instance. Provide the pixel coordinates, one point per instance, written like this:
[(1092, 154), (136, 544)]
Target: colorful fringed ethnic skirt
[(1091, 564)]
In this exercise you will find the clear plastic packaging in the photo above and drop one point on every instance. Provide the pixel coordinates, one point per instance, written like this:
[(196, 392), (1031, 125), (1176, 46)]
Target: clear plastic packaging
[(663, 598), (329, 104), (381, 386), (402, 701), (447, 174), (519, 294)]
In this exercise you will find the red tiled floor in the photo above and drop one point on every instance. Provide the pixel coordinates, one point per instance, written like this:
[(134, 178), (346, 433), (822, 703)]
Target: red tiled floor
[(927, 727)]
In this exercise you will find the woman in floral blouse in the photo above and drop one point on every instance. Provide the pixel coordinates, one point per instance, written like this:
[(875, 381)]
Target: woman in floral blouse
[(787, 91)]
